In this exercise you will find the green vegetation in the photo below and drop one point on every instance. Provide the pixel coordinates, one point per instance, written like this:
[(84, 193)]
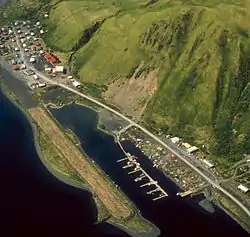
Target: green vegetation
[(137, 224), (233, 209), (26, 9), (200, 47), (55, 159)]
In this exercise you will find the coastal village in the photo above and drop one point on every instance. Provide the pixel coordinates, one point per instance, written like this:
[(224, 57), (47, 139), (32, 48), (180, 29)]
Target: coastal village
[(46, 61), (35, 52)]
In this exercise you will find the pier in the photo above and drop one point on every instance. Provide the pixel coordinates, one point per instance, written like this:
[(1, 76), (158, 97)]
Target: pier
[(132, 162), (184, 194)]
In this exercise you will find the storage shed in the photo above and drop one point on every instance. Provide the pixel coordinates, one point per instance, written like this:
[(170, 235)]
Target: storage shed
[(243, 188), (175, 139)]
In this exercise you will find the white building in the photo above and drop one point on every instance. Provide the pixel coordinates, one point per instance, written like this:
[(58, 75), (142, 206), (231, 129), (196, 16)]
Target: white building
[(24, 45), (42, 32), (76, 84), (59, 68), (32, 33), (186, 145), (207, 164), (35, 77), (38, 23), (175, 139), (32, 60), (70, 77), (41, 85), (243, 188), (16, 49), (22, 66), (192, 149)]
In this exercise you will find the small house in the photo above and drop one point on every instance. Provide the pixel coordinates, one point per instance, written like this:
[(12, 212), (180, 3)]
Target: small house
[(22, 66), (34, 85), (19, 61), (76, 84), (207, 164), (35, 77), (15, 68), (59, 68), (243, 188), (40, 85), (175, 139), (192, 149), (186, 145), (13, 62), (32, 60)]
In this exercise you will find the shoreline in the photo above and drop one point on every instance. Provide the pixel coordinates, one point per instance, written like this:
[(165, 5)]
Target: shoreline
[(12, 97), (81, 104), (171, 179)]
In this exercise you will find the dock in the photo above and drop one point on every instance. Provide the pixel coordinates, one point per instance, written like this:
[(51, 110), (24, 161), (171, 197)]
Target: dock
[(153, 191), (159, 197), (133, 171), (184, 194), (132, 161), (140, 177)]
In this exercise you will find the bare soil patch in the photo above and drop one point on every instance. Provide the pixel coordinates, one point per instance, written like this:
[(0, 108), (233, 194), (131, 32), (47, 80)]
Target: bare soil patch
[(133, 94)]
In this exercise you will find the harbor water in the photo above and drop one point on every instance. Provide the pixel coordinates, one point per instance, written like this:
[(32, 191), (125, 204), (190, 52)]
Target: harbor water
[(172, 215)]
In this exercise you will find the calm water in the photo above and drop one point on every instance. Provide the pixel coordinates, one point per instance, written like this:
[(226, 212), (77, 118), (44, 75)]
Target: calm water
[(174, 216), (33, 202)]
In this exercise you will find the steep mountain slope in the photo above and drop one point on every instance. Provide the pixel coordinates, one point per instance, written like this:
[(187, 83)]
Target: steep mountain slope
[(203, 79)]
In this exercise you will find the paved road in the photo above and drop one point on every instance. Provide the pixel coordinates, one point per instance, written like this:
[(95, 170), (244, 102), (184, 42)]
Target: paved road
[(209, 180)]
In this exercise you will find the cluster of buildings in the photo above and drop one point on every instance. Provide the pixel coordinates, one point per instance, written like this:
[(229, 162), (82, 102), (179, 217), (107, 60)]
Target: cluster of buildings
[(191, 150), (165, 160), (35, 51)]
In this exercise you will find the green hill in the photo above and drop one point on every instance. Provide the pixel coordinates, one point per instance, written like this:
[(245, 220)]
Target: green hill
[(199, 53)]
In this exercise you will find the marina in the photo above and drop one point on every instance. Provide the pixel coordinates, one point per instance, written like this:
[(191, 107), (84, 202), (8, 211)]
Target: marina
[(149, 181)]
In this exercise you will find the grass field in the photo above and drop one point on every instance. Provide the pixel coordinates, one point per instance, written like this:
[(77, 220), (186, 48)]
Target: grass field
[(55, 158)]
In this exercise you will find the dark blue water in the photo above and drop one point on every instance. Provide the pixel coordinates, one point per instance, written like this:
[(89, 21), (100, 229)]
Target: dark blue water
[(32, 201), (174, 216)]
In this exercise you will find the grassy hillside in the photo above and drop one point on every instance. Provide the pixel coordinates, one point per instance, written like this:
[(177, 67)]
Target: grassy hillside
[(202, 55), (199, 48), (15, 9), (69, 18)]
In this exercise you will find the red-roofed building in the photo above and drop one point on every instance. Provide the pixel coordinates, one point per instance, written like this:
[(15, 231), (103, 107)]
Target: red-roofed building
[(51, 58), (15, 68)]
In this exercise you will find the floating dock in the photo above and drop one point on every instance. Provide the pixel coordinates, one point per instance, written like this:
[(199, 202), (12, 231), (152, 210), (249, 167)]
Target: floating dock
[(133, 162)]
